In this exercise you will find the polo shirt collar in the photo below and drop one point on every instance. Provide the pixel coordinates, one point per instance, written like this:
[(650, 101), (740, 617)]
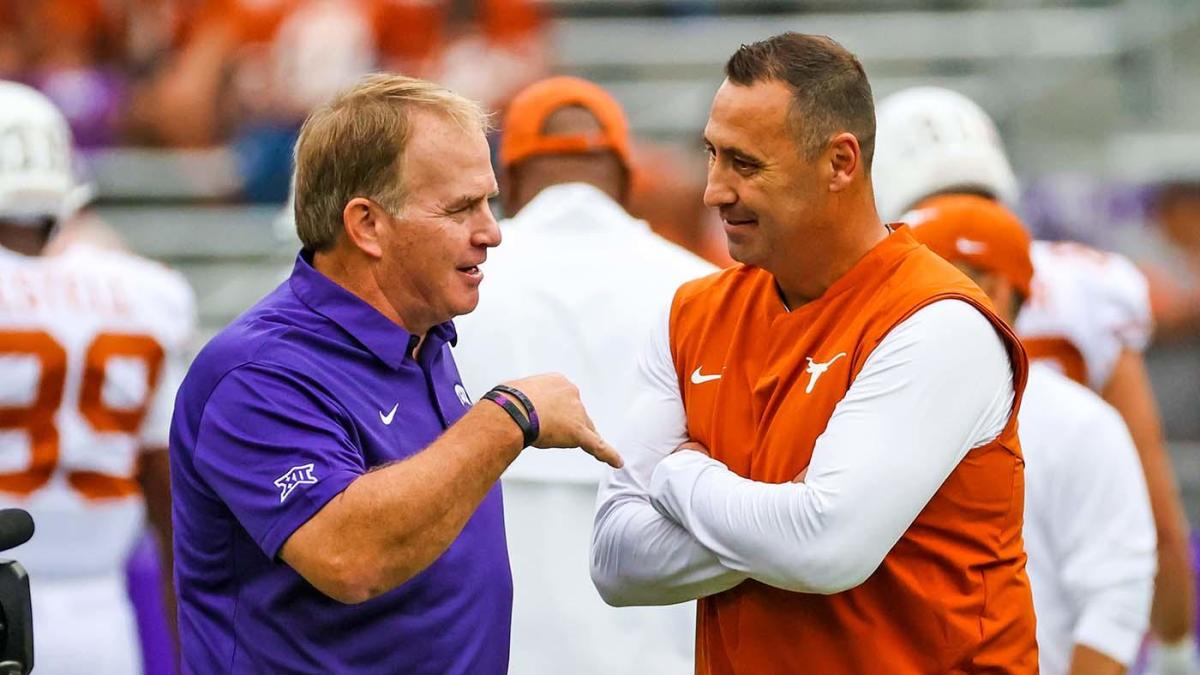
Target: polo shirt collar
[(384, 338)]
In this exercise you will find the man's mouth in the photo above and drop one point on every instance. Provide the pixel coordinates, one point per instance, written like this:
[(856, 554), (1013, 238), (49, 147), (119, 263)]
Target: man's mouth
[(739, 220)]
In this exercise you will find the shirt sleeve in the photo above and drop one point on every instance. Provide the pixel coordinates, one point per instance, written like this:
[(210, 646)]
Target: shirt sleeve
[(1118, 305), (1096, 300), (938, 385), (1100, 523), (275, 449), (640, 557)]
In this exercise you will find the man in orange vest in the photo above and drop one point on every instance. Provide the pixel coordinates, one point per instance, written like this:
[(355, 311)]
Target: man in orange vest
[(822, 447)]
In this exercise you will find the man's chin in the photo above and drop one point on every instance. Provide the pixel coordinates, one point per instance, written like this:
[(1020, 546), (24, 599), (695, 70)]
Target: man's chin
[(467, 303), (744, 254)]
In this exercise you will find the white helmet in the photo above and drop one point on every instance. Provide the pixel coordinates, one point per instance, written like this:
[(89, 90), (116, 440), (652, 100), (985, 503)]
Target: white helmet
[(37, 178), (930, 140)]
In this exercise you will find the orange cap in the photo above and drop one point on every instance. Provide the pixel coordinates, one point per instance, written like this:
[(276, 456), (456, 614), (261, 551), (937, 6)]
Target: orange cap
[(522, 136), (977, 231)]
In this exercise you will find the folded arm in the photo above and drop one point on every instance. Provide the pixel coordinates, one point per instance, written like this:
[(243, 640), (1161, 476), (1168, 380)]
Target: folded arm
[(937, 386), (640, 557)]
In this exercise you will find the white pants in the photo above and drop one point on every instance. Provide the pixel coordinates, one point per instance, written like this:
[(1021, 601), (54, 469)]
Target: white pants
[(560, 624), (84, 626)]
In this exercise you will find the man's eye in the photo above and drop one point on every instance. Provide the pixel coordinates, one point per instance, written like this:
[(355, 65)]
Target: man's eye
[(743, 165)]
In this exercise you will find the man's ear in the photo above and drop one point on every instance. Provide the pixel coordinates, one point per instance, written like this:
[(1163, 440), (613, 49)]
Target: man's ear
[(361, 220), (844, 156)]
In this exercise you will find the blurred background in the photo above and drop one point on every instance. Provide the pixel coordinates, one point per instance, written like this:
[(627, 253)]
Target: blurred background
[(187, 110)]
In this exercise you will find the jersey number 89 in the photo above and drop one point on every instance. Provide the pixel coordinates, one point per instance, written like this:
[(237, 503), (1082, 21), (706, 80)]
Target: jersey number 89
[(37, 418)]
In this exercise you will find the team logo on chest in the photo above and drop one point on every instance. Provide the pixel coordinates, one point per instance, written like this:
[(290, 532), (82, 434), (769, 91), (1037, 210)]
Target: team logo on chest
[(295, 477), (815, 370), (461, 391)]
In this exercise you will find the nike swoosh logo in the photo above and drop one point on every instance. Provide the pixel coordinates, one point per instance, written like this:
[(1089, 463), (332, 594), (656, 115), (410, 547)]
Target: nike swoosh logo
[(969, 246), (387, 419), (697, 378), (917, 216)]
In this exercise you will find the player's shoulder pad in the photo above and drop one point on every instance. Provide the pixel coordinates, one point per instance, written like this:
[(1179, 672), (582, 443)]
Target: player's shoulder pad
[(161, 289), (1113, 290), (1122, 284)]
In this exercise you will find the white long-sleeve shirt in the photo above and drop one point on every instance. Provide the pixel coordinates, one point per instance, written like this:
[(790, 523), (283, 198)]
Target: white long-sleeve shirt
[(575, 288), (1089, 532), (673, 527)]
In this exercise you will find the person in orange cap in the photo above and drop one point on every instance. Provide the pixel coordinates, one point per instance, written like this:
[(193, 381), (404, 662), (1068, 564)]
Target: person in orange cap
[(563, 130), (1089, 532), (575, 288), (822, 445), (982, 238)]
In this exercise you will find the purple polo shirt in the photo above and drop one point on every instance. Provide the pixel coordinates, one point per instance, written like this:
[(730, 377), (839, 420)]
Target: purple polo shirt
[(279, 413)]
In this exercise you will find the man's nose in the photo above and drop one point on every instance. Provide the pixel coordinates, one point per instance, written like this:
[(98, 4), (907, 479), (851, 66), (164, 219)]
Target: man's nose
[(487, 230), (717, 191)]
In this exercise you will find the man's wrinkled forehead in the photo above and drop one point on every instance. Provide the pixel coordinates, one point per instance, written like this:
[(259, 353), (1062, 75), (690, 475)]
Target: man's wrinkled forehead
[(441, 153)]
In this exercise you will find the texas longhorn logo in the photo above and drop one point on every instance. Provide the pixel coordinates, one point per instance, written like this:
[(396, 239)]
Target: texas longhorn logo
[(816, 370)]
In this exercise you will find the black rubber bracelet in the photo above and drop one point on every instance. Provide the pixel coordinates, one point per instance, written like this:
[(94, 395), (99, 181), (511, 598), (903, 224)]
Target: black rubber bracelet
[(515, 413), (530, 411)]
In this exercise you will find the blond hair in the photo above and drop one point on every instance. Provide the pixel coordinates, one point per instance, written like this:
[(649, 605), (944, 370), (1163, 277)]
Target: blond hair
[(354, 145)]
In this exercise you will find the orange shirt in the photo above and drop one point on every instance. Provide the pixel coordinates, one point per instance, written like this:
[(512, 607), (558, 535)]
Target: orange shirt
[(952, 595), (59, 32), (406, 31)]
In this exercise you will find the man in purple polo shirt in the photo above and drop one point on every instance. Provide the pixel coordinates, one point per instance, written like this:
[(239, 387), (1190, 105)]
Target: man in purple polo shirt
[(336, 501)]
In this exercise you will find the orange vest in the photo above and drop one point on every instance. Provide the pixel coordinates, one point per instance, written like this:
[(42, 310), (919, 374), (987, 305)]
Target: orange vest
[(952, 595)]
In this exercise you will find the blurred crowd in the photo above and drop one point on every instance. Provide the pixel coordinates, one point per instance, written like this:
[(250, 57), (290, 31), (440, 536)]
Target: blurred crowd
[(244, 73), (1169, 254), (1156, 224), (198, 72), (194, 73)]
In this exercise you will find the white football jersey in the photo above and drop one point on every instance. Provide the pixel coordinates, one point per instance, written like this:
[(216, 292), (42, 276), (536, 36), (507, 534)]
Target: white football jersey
[(92, 348), (1086, 307)]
